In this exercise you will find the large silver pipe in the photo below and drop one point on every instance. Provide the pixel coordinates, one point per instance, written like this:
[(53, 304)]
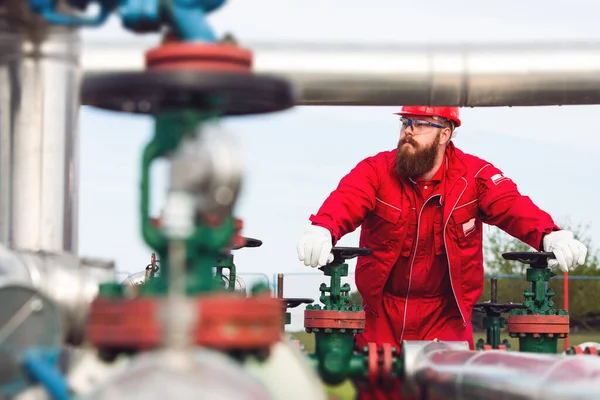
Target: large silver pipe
[(39, 87), (442, 372), (535, 74)]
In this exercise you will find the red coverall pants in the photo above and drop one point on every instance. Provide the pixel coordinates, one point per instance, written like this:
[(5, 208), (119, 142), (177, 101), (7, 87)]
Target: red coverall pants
[(418, 302)]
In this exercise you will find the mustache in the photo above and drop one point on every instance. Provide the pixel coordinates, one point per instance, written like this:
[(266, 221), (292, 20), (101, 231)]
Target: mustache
[(408, 140)]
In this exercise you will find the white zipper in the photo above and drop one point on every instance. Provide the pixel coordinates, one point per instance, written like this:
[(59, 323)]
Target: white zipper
[(448, 257), (412, 263)]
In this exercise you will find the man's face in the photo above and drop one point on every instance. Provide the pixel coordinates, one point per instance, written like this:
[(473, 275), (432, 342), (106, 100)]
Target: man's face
[(418, 147)]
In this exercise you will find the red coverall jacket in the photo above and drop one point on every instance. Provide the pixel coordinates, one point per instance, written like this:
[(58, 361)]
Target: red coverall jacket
[(374, 196)]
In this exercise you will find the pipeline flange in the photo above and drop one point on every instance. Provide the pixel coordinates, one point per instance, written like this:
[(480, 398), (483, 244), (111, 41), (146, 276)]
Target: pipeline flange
[(372, 364), (333, 319), (387, 366), (538, 325), (222, 322), (199, 56), (578, 350), (381, 371)]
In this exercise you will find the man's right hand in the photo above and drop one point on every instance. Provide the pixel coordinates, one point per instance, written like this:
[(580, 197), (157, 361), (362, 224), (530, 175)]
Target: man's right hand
[(314, 247)]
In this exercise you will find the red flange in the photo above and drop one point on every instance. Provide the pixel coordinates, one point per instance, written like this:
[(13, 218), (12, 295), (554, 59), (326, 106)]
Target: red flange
[(373, 364), (387, 363), (223, 322), (199, 56), (330, 319), (577, 350), (591, 350), (539, 324)]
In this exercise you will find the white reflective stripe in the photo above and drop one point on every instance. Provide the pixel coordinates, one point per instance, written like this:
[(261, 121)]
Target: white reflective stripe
[(466, 204), (469, 226), (387, 204), (448, 257), (482, 168)]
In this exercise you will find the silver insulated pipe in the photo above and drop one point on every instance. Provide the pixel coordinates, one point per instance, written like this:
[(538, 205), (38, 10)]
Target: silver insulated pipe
[(39, 88), (468, 75)]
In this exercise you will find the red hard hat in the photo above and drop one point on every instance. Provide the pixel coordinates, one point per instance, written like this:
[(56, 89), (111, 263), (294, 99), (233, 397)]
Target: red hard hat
[(450, 113)]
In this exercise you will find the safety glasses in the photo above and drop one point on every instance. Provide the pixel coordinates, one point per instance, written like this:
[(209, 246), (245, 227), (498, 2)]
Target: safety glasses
[(418, 125)]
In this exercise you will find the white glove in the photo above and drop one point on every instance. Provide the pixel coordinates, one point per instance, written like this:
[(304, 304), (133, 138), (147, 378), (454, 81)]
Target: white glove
[(314, 247), (569, 253)]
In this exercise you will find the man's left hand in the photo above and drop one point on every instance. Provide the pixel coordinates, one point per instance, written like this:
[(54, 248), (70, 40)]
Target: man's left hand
[(569, 252)]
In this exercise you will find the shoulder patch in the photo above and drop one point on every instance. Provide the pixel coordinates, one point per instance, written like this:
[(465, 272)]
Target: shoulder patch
[(498, 178)]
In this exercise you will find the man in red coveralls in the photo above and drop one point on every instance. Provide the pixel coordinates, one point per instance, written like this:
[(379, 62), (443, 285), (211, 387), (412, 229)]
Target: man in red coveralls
[(421, 207)]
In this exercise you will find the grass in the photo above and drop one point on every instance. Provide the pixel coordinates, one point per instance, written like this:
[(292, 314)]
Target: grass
[(345, 391)]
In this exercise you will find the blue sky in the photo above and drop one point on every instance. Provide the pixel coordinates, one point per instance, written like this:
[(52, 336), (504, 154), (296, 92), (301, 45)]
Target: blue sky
[(295, 158)]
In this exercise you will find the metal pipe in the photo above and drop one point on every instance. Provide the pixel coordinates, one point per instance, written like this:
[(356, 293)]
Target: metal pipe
[(535, 74), (39, 85), (280, 286), (494, 290), (444, 373), (70, 281)]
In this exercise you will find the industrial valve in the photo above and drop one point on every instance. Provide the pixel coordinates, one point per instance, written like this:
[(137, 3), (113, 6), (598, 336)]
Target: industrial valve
[(232, 282), (186, 98), (186, 315), (152, 268), (336, 322), (494, 322), (190, 82), (537, 324)]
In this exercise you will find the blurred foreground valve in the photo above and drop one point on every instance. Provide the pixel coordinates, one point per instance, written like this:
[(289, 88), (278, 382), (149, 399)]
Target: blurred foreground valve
[(187, 86)]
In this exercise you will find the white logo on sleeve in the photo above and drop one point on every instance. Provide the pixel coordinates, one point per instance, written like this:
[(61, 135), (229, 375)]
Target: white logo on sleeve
[(469, 226), (498, 178)]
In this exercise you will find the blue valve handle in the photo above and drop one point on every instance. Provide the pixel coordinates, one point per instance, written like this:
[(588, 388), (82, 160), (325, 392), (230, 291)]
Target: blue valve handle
[(41, 366), (187, 18), (46, 8)]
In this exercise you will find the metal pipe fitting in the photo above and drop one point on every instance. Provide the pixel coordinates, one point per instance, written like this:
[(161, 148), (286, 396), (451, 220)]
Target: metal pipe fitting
[(208, 166), (70, 281)]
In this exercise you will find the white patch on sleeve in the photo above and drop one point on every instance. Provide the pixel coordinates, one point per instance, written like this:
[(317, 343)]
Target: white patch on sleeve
[(469, 226), (498, 178)]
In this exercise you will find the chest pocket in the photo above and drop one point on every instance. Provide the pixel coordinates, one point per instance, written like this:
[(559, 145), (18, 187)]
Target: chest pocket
[(465, 223), (387, 211)]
